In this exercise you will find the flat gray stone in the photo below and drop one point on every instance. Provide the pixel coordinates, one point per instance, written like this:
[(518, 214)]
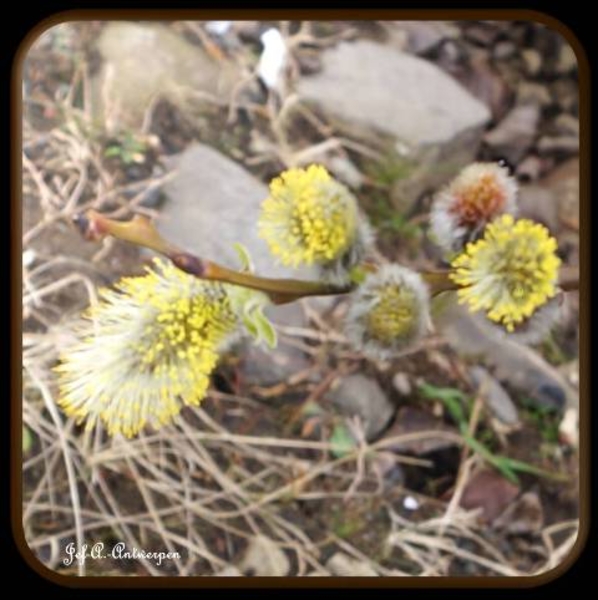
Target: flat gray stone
[(539, 203), (404, 104), (504, 50), (496, 397), (533, 93), (361, 396), (411, 420), (393, 92), (264, 367), (142, 61), (520, 366), (514, 135), (530, 168), (568, 144), (554, 199)]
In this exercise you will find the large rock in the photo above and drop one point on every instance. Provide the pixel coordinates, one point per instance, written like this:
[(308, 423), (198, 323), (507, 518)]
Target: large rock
[(142, 61), (418, 115), (213, 202)]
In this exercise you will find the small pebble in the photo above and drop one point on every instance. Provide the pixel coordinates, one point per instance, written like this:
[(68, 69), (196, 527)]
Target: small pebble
[(567, 60), (28, 257), (533, 61), (402, 384), (504, 50), (410, 503)]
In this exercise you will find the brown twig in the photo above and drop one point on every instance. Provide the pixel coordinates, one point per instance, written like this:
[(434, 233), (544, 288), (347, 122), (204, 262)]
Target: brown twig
[(439, 281), (140, 231)]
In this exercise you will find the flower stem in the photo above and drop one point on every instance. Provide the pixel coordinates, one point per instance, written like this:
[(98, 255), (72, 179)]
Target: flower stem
[(439, 281), (141, 232)]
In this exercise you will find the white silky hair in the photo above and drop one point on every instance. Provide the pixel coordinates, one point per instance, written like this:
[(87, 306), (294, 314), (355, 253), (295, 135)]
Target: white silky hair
[(367, 296)]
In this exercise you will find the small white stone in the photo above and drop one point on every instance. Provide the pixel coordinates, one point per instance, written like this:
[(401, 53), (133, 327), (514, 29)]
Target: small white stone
[(273, 58), (28, 257), (401, 383), (218, 27), (410, 503), (402, 149), (569, 427)]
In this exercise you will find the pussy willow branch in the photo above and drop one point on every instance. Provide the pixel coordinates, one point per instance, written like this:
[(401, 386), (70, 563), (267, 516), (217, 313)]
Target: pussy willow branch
[(140, 231), (439, 281)]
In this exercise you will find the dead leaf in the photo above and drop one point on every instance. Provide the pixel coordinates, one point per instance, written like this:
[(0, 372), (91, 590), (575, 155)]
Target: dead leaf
[(489, 491)]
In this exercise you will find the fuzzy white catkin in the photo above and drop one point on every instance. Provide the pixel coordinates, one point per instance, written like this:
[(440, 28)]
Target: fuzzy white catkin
[(365, 299), (445, 221)]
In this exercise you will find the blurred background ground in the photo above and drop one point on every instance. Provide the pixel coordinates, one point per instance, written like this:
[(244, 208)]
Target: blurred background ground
[(311, 460)]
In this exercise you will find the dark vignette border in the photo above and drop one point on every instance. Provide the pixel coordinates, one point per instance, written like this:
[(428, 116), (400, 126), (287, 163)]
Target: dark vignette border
[(16, 301)]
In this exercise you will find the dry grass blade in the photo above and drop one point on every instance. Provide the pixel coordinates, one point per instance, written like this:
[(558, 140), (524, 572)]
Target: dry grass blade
[(68, 460)]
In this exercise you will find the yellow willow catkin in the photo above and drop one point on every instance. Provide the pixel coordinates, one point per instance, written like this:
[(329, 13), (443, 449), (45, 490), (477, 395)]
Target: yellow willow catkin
[(150, 349), (510, 272), (308, 218)]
